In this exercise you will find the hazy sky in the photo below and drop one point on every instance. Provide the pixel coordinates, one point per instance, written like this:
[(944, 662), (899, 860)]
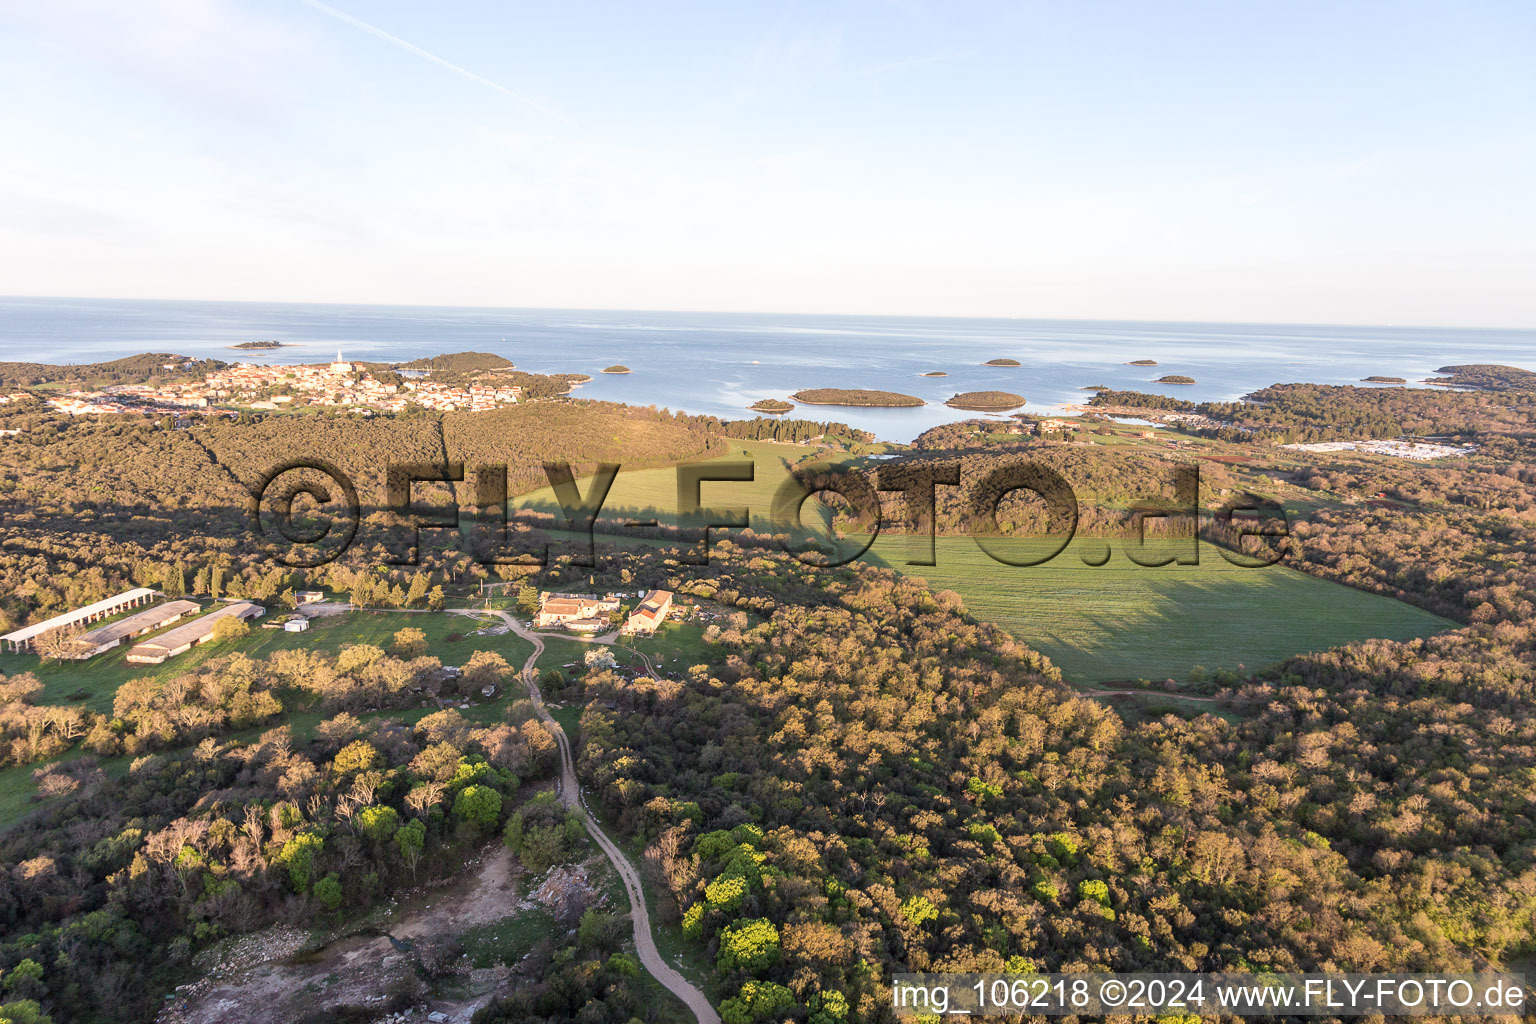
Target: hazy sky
[(1242, 160)]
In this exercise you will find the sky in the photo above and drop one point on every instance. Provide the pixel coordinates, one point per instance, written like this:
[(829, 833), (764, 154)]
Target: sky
[(1281, 162)]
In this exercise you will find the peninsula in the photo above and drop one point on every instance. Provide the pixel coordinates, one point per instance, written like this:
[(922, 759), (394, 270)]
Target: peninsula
[(856, 396)]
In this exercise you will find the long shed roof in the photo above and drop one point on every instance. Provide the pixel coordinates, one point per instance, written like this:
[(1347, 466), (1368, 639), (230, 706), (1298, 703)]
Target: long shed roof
[(103, 607)]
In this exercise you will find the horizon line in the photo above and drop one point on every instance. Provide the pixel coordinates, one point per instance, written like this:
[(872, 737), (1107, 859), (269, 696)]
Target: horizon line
[(759, 312)]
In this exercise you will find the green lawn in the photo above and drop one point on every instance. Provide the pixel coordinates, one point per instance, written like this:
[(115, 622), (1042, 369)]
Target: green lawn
[(675, 646), (1124, 621)]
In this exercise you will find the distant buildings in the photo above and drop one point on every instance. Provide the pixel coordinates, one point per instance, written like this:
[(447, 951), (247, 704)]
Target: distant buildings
[(339, 383), (650, 614), (184, 638), (21, 639)]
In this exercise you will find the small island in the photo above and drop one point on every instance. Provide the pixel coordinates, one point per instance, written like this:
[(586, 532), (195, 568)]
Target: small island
[(1095, 387), (856, 396), (1142, 362), (986, 401), (1384, 380), (1174, 378), (773, 405), (260, 344), (616, 368), (1002, 362), (934, 373)]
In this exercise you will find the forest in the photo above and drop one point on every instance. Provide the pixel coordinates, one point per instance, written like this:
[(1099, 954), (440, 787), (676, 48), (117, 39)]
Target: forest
[(1291, 413), (856, 777)]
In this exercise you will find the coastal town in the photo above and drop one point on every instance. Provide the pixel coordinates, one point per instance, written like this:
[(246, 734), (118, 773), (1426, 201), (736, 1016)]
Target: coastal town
[(338, 384)]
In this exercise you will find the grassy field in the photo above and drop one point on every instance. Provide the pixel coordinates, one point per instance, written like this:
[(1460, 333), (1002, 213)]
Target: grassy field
[(652, 493), (1124, 621), (1115, 622)]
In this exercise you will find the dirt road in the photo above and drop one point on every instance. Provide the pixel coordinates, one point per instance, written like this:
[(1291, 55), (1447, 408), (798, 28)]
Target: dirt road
[(570, 793)]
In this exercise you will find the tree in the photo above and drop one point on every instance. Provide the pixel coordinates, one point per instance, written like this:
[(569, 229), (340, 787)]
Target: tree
[(25, 980), (230, 627), (411, 840), (57, 644), (298, 855), (527, 600), (486, 668), (24, 1011), (357, 756), (379, 823), (759, 1002), (436, 600), (328, 891), (479, 806), (420, 586), (409, 642), (750, 945)]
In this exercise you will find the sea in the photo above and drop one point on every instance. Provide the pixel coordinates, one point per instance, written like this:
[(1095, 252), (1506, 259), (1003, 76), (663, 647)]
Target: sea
[(720, 363)]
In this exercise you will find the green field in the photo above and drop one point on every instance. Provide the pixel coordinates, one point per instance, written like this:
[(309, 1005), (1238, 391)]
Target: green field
[(1123, 621), (1119, 621), (652, 493)]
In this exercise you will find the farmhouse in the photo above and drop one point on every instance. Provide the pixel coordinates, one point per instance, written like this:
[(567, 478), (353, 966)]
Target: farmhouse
[(185, 637), (21, 639), (104, 638), (651, 613), (568, 609)]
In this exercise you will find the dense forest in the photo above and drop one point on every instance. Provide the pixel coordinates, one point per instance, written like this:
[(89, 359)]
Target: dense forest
[(1288, 413), (128, 370)]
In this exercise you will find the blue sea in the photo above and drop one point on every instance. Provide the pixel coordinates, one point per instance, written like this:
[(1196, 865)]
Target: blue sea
[(719, 363)]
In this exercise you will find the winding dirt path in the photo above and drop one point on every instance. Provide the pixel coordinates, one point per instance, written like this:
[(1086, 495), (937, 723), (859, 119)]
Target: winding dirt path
[(570, 794)]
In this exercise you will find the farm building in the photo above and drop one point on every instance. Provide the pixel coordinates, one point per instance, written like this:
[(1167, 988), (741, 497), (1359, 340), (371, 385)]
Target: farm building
[(296, 625), (185, 637), (21, 639), (565, 609), (104, 638), (651, 613), (309, 596)]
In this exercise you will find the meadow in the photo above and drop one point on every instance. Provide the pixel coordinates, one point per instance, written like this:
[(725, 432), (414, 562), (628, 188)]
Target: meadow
[(1122, 621), (1115, 622)]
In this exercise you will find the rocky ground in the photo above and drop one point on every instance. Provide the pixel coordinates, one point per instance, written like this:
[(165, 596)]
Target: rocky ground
[(407, 971)]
